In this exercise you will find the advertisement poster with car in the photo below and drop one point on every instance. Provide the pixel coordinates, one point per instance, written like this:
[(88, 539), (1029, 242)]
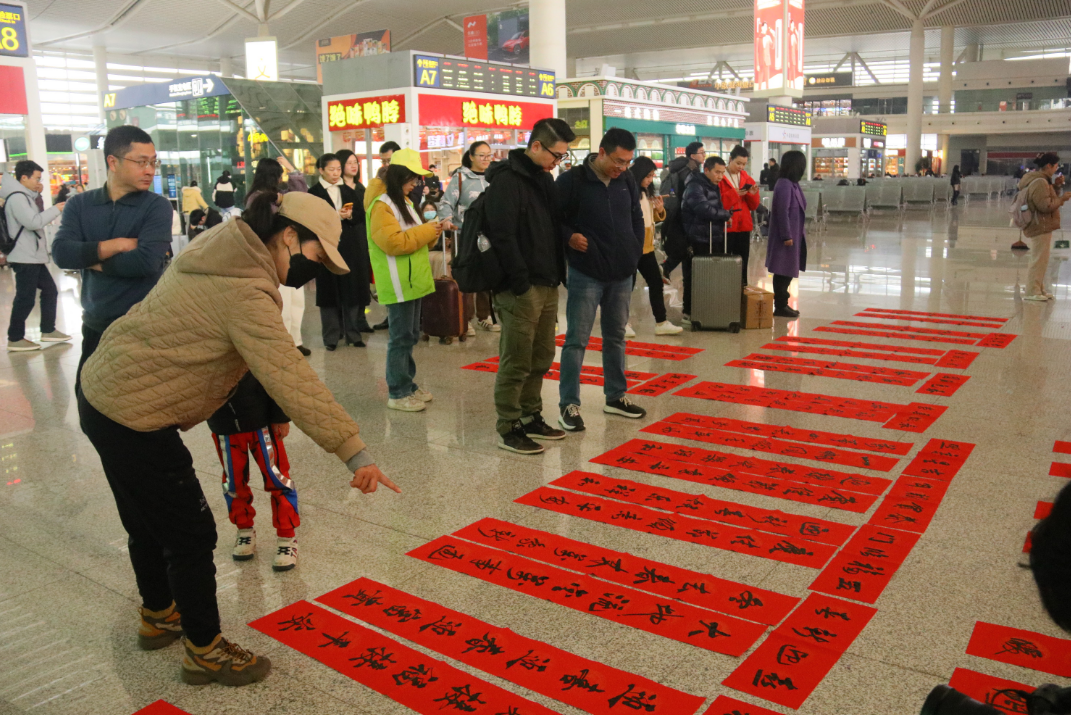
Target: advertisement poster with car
[(498, 36), (344, 47)]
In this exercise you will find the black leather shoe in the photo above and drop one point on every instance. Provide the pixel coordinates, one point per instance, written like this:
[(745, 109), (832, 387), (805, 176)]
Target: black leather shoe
[(382, 326), (356, 344), (330, 348), (304, 350), (364, 327), (786, 312)]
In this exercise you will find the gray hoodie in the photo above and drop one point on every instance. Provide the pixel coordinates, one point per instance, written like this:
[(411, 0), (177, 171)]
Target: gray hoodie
[(21, 209)]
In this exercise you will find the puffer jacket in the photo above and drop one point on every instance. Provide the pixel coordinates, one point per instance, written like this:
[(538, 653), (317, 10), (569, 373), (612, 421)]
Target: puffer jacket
[(469, 185), (178, 355), (1044, 202), (702, 212), (397, 249)]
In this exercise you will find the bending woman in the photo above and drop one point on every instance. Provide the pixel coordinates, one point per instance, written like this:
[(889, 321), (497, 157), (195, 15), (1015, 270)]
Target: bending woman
[(170, 363)]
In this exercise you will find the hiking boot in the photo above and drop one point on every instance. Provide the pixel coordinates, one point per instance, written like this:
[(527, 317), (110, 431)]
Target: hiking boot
[(55, 337), (245, 545), (537, 428), (570, 418), (626, 408), (223, 662), (285, 554), (22, 346), (159, 629), (517, 441), (412, 403)]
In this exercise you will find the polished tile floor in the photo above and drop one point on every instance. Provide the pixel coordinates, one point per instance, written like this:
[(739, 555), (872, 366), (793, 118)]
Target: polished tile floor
[(67, 594)]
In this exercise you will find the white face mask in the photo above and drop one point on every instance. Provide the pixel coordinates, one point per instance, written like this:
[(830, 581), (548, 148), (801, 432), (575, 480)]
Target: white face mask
[(429, 215)]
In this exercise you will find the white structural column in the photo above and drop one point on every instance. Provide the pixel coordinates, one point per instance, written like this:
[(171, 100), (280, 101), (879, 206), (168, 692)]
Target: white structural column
[(944, 89), (226, 67), (914, 96), (100, 66), (547, 30)]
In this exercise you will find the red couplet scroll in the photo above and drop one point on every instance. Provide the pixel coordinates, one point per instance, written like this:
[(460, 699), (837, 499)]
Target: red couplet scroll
[(1023, 648)]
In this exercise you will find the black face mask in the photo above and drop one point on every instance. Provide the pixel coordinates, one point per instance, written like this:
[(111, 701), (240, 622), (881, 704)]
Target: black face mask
[(301, 270)]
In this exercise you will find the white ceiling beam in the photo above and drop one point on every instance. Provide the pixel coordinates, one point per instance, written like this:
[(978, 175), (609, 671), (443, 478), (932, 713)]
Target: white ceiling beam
[(124, 14), (218, 30), (263, 7), (944, 8), (279, 13), (240, 10), (900, 8), (418, 32)]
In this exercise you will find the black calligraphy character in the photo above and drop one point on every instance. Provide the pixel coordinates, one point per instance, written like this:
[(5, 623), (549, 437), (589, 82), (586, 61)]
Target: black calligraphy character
[(445, 553), (857, 567), (846, 585), (626, 460), (459, 697), (488, 565), (836, 498), (658, 617), (745, 540), (911, 506), (374, 658), (297, 623), (882, 538), (789, 548), (772, 680), (487, 644), (565, 554), (497, 534), (588, 480), (442, 627), (873, 553), (695, 503), (1012, 701), (659, 465), (712, 630), (608, 602), (531, 543), (419, 676), (820, 635), (1021, 646), (810, 528), (745, 600), (336, 641), (699, 533), (553, 500), (663, 524), (827, 613), (901, 519), (580, 680), (790, 655), (726, 511), (634, 701), (699, 586), (626, 515), (657, 497), (573, 590), (529, 662), (527, 577), (620, 490), (603, 561), (690, 472), (402, 613), (649, 575), (799, 489), (588, 506)]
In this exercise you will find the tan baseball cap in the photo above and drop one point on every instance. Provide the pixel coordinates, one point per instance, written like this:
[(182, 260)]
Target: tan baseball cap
[(320, 217)]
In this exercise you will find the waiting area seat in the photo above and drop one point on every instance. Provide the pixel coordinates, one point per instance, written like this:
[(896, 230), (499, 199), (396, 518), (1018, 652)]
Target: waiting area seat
[(847, 200), (884, 195)]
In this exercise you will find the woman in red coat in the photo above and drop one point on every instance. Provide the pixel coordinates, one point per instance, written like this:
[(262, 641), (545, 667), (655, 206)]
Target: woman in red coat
[(739, 191)]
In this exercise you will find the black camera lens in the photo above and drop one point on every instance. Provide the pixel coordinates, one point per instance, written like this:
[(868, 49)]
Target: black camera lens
[(944, 700)]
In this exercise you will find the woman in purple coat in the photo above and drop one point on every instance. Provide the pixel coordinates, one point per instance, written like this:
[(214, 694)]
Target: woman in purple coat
[(786, 254)]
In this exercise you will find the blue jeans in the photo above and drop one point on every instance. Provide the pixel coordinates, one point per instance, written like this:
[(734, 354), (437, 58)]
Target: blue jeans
[(585, 295), (404, 332)]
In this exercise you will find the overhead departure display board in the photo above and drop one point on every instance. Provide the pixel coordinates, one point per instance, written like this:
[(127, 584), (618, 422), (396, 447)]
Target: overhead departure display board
[(466, 75)]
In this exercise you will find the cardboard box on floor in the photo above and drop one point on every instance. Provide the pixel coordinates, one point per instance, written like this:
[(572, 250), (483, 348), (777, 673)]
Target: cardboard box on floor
[(756, 308)]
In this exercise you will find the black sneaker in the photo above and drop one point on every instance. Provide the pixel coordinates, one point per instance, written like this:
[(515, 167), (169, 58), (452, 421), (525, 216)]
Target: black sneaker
[(517, 441), (626, 408), (570, 418), (786, 312), (364, 327), (537, 428), (382, 326), (304, 350)]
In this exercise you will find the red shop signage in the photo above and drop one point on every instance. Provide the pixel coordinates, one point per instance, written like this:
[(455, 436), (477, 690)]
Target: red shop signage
[(365, 112), (13, 98), (493, 113)]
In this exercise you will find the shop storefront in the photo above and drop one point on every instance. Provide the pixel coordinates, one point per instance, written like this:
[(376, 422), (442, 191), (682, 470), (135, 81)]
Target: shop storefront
[(785, 129), (664, 119), (848, 148), (203, 126), (434, 103)]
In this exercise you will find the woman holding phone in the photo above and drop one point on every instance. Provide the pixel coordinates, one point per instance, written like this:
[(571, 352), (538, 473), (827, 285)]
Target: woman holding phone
[(786, 253), (740, 194), (342, 298)]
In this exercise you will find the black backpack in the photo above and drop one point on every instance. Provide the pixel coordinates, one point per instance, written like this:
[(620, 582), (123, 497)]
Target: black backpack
[(476, 268), (7, 241)]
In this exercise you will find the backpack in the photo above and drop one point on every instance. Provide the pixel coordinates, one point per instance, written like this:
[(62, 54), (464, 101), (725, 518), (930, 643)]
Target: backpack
[(476, 268), (7, 241), (1020, 213)]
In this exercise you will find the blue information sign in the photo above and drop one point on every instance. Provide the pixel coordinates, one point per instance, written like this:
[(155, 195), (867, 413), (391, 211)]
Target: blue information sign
[(13, 41)]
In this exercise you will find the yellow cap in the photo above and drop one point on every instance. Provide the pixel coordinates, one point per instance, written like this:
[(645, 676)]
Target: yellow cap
[(410, 159)]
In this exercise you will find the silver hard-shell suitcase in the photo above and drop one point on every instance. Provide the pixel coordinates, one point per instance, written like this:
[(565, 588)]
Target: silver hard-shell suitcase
[(716, 290)]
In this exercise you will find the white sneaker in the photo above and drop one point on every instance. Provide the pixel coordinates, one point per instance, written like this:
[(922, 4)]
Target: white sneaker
[(407, 404), (667, 328), (629, 332), (1040, 298), (245, 545), (1050, 296), (486, 324), (423, 395), (471, 332), (285, 554)]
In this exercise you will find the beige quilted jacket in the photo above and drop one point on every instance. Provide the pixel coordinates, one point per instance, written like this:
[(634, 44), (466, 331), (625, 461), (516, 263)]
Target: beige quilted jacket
[(177, 355)]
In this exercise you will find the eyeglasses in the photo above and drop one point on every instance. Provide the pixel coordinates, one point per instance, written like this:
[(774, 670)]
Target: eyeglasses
[(482, 156), (144, 163), (620, 163), (557, 157)]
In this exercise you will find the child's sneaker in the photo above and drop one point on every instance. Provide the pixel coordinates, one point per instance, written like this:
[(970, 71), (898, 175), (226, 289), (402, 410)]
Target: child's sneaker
[(245, 545), (285, 554), (223, 662), (159, 629)]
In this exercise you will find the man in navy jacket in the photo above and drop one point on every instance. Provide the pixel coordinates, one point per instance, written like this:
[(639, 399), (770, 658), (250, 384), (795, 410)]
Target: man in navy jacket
[(603, 229)]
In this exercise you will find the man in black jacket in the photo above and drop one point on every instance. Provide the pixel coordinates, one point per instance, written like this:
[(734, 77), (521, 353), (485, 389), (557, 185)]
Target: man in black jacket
[(522, 225), (674, 178), (704, 221), (602, 224)]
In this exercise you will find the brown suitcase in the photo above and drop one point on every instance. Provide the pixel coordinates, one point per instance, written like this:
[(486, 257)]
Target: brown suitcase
[(442, 313)]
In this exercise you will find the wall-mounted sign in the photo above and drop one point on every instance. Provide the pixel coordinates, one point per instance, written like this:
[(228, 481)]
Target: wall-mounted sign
[(443, 111), (469, 76), (876, 129), (140, 95), (13, 96), (262, 59), (365, 112), (828, 79), (778, 48), (81, 144), (688, 129), (718, 85), (344, 47), (501, 36), (833, 142), (788, 115), (13, 32)]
